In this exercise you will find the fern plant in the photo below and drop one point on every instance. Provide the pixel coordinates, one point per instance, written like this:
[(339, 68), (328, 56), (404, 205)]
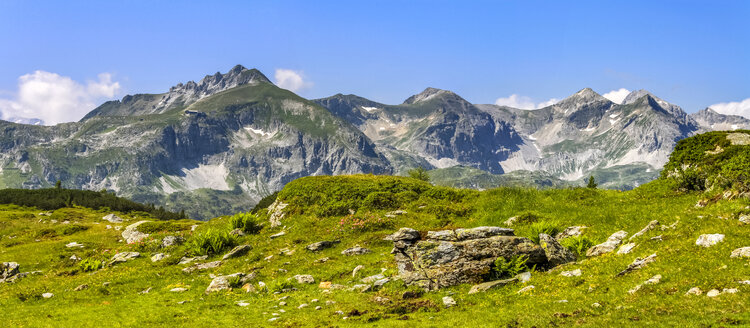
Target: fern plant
[(247, 222), (87, 265), (210, 242), (504, 268)]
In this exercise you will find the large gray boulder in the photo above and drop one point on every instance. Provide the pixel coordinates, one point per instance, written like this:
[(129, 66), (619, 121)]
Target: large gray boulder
[(556, 253), (452, 257)]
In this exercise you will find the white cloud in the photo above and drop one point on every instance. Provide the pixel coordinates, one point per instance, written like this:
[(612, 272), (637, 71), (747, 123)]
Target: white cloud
[(617, 96), (524, 102), (291, 80), (55, 99), (741, 108)]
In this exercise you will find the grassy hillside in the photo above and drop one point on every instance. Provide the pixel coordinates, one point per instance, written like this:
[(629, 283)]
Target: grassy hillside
[(355, 211)]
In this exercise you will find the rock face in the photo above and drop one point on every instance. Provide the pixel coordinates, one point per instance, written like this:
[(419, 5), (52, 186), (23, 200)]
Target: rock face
[(131, 233), (556, 253), (276, 213), (612, 242), (451, 257)]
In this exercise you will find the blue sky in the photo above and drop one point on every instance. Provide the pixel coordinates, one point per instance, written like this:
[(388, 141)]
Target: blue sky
[(691, 53)]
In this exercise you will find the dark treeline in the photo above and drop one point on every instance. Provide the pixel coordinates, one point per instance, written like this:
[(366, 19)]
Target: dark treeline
[(54, 198)]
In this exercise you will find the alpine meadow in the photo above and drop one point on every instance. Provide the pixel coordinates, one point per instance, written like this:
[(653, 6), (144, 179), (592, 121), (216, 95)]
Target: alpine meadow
[(386, 164)]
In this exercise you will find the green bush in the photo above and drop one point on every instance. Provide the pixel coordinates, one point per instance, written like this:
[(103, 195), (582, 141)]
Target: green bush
[(73, 228), (505, 268), (247, 222), (280, 285), (546, 227), (46, 233), (577, 244), (87, 265), (210, 242), (419, 173), (381, 200)]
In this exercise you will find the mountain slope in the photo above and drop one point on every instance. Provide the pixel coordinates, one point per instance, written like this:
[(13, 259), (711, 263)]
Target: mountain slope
[(710, 120), (227, 149)]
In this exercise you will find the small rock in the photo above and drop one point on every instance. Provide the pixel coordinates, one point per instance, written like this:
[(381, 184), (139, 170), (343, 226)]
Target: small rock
[(361, 288), (651, 225), (573, 273), (124, 257), (186, 260), (573, 231), (112, 218), (745, 219), (637, 264), (625, 249), (556, 253), (356, 270), (158, 257), (525, 290), (222, 282), (282, 303), (322, 260), (237, 232), (741, 252), (75, 258), (237, 251), (248, 288), (657, 238), (273, 319), (709, 240), (449, 301), (524, 277), (171, 241), (694, 291), (596, 305), (483, 287), (243, 304), (74, 245), (304, 279), (178, 290), (356, 251), (729, 291), (608, 246), (510, 221), (321, 245), (302, 306), (324, 285), (277, 235), (380, 283), (202, 266), (318, 307), (81, 287), (146, 291), (48, 295), (713, 293)]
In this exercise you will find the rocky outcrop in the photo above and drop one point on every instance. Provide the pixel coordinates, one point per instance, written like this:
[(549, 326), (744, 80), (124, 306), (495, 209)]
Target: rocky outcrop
[(556, 253), (276, 213), (608, 246), (450, 257), (8, 271), (132, 235)]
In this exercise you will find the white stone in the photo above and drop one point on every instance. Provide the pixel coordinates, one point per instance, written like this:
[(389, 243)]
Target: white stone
[(573, 273), (449, 301), (708, 240), (525, 289), (48, 295), (694, 291), (713, 293), (741, 252), (112, 218), (625, 249)]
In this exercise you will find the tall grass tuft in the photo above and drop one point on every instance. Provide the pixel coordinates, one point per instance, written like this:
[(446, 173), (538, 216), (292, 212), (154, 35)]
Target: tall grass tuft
[(211, 242), (547, 227), (249, 223)]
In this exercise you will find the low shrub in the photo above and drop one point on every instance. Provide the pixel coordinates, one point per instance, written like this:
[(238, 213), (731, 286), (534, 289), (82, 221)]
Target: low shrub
[(546, 227), (46, 233), (73, 228), (210, 242), (381, 200), (280, 285), (247, 222), (89, 264), (505, 268)]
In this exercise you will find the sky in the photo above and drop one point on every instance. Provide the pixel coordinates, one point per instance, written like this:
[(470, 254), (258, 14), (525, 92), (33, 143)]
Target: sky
[(60, 59)]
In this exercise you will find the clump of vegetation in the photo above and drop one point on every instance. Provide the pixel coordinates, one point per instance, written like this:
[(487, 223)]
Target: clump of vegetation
[(280, 285), (73, 228), (265, 202), (89, 264), (505, 268), (547, 227), (527, 217), (592, 183), (577, 244), (419, 173), (234, 281), (247, 222), (211, 242)]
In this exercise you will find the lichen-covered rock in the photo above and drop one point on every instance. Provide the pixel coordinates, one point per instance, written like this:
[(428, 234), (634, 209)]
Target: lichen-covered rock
[(131, 233), (355, 251), (237, 251), (556, 253), (741, 252), (321, 245), (124, 257), (223, 282), (169, 241), (8, 271), (276, 213), (457, 256), (608, 246), (112, 218), (304, 279), (709, 240)]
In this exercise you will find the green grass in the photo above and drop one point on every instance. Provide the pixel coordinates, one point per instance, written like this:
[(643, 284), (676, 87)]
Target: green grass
[(313, 216)]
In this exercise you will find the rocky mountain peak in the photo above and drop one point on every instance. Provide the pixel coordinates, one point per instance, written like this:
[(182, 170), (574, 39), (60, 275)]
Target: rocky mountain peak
[(426, 95), (637, 94)]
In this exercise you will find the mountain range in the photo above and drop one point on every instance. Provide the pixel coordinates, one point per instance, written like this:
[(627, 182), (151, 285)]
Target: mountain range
[(219, 145)]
